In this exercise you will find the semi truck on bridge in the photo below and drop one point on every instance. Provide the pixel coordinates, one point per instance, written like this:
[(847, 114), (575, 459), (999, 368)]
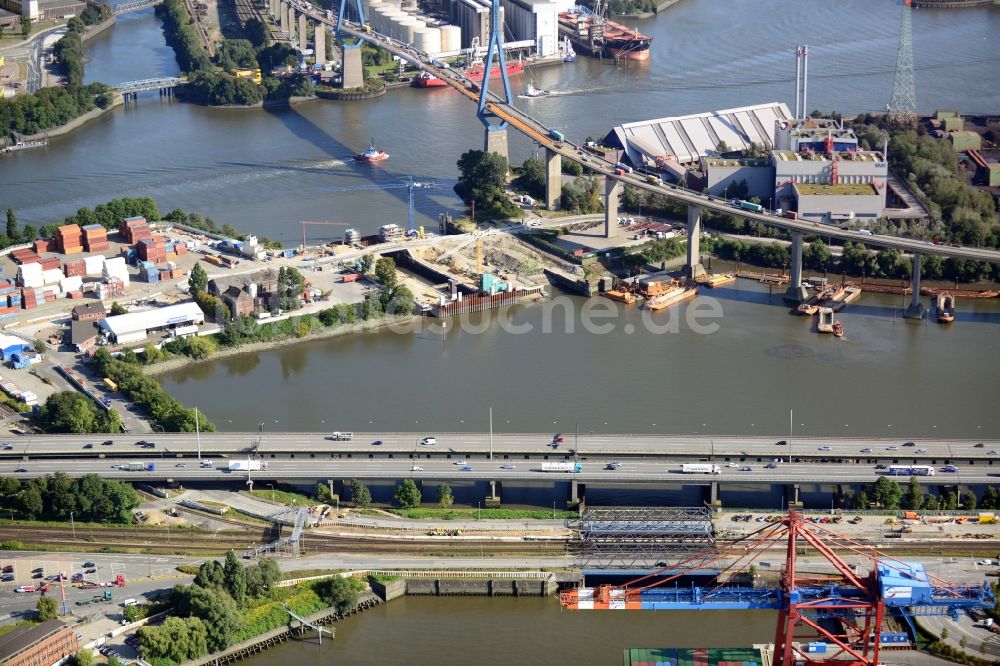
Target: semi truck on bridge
[(699, 468), (562, 467), (246, 466)]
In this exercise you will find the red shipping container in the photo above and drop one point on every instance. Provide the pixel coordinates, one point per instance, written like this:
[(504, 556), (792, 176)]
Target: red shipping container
[(43, 245), (181, 249)]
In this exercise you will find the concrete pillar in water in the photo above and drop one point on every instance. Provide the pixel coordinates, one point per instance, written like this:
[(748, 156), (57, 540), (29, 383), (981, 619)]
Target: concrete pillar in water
[(496, 141), (796, 293), (916, 309), (553, 179), (612, 188), (320, 39), (303, 30), (493, 499), (694, 268), (353, 75)]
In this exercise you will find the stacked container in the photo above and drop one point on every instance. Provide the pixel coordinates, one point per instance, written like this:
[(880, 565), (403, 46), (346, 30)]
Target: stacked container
[(74, 268), (29, 275), (152, 249), (134, 229), (95, 238), (43, 245), (68, 284), (116, 268), (69, 237), (149, 271), (24, 256), (93, 265)]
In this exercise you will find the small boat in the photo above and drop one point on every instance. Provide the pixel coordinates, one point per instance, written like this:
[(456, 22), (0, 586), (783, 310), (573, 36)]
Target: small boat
[(717, 280), (569, 55), (945, 308), (673, 296), (427, 80), (373, 154), (532, 91), (827, 324), (812, 306), (838, 329), (851, 294), (835, 300), (621, 296)]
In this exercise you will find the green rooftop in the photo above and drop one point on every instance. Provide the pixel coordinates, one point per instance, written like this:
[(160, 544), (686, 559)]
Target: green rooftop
[(851, 189)]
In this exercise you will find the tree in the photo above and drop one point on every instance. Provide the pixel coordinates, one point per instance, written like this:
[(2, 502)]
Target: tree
[(886, 493), (83, 657), (68, 412), (483, 176), (25, 26), (399, 301), (963, 642), (9, 486), (863, 501), (198, 279), (269, 572), (950, 501), (367, 264), (12, 232), (219, 613), (29, 233), (151, 354), (407, 495), (915, 495), (322, 492), (385, 272), (722, 147), (47, 608), (339, 592), (118, 309), (989, 497), (132, 613), (360, 495), (39, 346), (235, 579), (200, 347), (944, 633), (532, 178), (210, 575), (30, 501), (445, 498)]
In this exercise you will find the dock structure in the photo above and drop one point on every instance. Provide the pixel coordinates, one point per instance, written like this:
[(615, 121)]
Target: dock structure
[(306, 623)]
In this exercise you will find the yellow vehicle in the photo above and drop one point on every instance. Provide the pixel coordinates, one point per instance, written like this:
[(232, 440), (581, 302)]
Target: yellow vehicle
[(252, 74), (110, 384)]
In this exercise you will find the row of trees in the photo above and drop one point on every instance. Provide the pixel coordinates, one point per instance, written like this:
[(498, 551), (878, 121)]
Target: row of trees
[(228, 602), (481, 184), (407, 495), (57, 497), (50, 107), (888, 494), (73, 412), (148, 394)]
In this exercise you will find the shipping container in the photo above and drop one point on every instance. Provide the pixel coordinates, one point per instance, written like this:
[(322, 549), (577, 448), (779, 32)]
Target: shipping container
[(699, 468), (562, 467)]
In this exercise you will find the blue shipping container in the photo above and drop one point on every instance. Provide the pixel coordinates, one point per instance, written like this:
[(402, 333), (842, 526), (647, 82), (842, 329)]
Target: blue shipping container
[(816, 647)]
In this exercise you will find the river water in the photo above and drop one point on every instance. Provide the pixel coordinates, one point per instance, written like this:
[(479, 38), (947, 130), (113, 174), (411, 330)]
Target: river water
[(264, 171), (471, 630)]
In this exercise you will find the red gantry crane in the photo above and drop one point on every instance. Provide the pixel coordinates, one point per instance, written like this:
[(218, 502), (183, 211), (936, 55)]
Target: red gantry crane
[(843, 609)]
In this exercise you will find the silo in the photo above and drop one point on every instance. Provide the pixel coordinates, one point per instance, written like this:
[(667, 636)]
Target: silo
[(428, 40), (451, 38), (407, 28)]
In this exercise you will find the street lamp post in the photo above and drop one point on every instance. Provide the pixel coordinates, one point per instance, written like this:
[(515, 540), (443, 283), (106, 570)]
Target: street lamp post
[(791, 419), (72, 524), (271, 486)]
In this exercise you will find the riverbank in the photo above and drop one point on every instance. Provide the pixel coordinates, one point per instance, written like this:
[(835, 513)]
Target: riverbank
[(77, 122), (177, 362), (664, 5)]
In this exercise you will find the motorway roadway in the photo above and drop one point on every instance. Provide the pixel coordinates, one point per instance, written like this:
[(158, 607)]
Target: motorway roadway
[(478, 444), (459, 467)]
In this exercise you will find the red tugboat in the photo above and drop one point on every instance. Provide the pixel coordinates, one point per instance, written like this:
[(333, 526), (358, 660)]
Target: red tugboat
[(373, 154), (428, 80)]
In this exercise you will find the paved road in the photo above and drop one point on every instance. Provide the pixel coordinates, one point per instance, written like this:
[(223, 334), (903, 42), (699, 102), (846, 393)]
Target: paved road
[(630, 471)]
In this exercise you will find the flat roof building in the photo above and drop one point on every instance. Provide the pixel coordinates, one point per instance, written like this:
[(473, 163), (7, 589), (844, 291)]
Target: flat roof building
[(41, 645), (135, 326), (11, 344)]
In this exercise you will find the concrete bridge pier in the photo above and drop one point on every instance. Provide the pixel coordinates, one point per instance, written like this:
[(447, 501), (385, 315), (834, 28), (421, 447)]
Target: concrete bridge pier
[(273, 8), (916, 309), (303, 30), (283, 18), (553, 179), (694, 268), (293, 21), (796, 293), (577, 495), (496, 141), (612, 189), (352, 73), (792, 500), (493, 499), (714, 500), (319, 36)]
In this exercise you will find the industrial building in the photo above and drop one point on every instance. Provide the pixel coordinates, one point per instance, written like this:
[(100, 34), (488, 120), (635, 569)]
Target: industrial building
[(50, 642), (245, 294), (536, 20), (136, 326), (11, 344), (687, 139)]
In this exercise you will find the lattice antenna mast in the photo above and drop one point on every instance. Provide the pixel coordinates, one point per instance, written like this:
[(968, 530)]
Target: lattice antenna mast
[(903, 104)]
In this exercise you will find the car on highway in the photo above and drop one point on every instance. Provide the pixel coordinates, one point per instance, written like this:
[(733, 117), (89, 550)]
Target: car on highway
[(949, 468), (892, 447), (613, 465), (867, 449), (416, 468), (377, 442), (909, 444), (467, 468), (991, 452), (507, 466), (881, 466), (781, 442), (88, 445), (825, 447), (459, 462), (6, 446), (732, 465), (181, 465), (771, 466), (978, 446), (429, 441), (746, 468), (921, 450), (107, 442), (25, 588), (20, 470)]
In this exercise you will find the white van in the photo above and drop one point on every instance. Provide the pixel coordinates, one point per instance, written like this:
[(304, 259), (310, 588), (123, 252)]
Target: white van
[(429, 441), (130, 602), (206, 464)]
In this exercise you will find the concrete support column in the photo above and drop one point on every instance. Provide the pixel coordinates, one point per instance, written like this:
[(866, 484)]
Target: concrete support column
[(694, 268), (553, 179), (714, 498), (577, 494), (320, 39), (493, 499), (792, 496), (272, 8), (293, 18), (796, 293), (353, 75), (612, 189), (496, 141), (916, 309), (283, 17), (303, 30)]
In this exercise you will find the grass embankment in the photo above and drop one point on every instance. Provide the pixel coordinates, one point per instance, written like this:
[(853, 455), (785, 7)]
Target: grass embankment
[(285, 497), (482, 514)]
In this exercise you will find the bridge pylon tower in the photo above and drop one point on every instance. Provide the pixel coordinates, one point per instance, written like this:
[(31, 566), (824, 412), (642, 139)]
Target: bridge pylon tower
[(903, 103), (342, 15), (496, 135)]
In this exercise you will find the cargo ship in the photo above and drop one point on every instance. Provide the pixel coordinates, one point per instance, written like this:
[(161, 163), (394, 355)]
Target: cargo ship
[(427, 80), (474, 72), (600, 37), (717, 280), (673, 296), (621, 296)]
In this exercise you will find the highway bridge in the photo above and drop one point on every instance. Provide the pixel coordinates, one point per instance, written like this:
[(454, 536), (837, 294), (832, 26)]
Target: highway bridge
[(557, 149)]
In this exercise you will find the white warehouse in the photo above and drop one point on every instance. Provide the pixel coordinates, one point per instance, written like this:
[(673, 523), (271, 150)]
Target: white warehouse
[(533, 19), (135, 326)]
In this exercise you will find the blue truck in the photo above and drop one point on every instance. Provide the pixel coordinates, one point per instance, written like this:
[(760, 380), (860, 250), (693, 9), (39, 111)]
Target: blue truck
[(557, 135), (746, 205)]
